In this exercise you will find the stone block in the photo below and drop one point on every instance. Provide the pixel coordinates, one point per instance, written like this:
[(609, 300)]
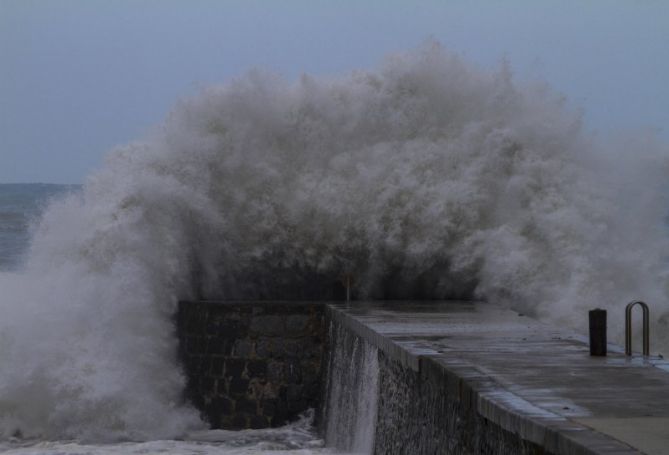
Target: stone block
[(267, 325), (243, 348), (217, 345), (207, 384), (297, 324), (258, 422), (269, 407), (238, 386), (294, 392), (270, 391), (235, 367), (256, 389), (296, 406), (293, 371), (237, 316), (195, 345), (238, 422), (311, 371), (282, 416), (265, 347), (217, 366), (232, 329), (276, 371), (256, 368), (292, 348), (196, 364), (312, 391), (313, 348), (224, 421), (220, 406), (246, 406)]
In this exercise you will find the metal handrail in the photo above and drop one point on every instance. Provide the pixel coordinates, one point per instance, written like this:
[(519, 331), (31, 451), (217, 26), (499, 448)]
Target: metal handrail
[(628, 327)]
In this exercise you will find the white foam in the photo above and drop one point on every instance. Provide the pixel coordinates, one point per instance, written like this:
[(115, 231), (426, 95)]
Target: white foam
[(296, 438), (427, 174)]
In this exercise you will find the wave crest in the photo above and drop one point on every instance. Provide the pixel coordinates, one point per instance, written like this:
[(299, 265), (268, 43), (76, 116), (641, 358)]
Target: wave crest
[(427, 178)]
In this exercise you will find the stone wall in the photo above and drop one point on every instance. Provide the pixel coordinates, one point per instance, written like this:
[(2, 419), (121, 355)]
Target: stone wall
[(251, 364), (261, 364), (437, 414), (418, 409)]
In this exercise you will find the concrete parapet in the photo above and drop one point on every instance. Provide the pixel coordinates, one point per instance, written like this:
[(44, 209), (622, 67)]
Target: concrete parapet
[(467, 377)]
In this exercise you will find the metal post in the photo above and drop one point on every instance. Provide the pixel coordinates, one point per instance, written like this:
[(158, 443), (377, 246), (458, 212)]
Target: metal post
[(597, 319), (628, 327)]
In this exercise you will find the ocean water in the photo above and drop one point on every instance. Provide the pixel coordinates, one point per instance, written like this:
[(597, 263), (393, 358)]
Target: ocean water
[(426, 177), (298, 438), (20, 208)]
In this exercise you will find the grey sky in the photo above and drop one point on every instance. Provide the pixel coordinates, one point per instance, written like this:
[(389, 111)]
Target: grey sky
[(80, 76)]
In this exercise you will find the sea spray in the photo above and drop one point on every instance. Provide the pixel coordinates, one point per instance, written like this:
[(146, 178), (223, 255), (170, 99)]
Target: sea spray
[(426, 178)]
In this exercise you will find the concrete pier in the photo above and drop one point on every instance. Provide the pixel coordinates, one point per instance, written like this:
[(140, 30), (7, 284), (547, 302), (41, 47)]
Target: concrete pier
[(532, 380)]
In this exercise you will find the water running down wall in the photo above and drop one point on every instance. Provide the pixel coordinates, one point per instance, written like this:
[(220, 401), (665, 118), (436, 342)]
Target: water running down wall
[(351, 386)]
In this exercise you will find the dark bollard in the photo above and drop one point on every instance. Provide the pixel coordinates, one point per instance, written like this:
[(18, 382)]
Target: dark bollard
[(597, 332)]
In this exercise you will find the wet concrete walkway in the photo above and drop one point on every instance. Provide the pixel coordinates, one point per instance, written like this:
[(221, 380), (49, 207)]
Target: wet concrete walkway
[(530, 378)]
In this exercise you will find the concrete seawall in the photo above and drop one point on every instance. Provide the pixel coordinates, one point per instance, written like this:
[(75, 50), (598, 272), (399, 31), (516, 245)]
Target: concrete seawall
[(462, 377), (449, 378)]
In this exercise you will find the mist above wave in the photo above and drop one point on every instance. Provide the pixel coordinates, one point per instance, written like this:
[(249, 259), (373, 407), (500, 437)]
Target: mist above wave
[(425, 178)]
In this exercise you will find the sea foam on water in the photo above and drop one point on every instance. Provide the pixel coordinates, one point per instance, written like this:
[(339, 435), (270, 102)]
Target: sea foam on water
[(426, 178)]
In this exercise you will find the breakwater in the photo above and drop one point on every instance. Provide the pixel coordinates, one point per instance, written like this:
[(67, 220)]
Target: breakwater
[(466, 377)]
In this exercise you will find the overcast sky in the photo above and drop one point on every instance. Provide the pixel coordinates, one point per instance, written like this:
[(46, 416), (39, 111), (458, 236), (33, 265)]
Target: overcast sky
[(80, 76)]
